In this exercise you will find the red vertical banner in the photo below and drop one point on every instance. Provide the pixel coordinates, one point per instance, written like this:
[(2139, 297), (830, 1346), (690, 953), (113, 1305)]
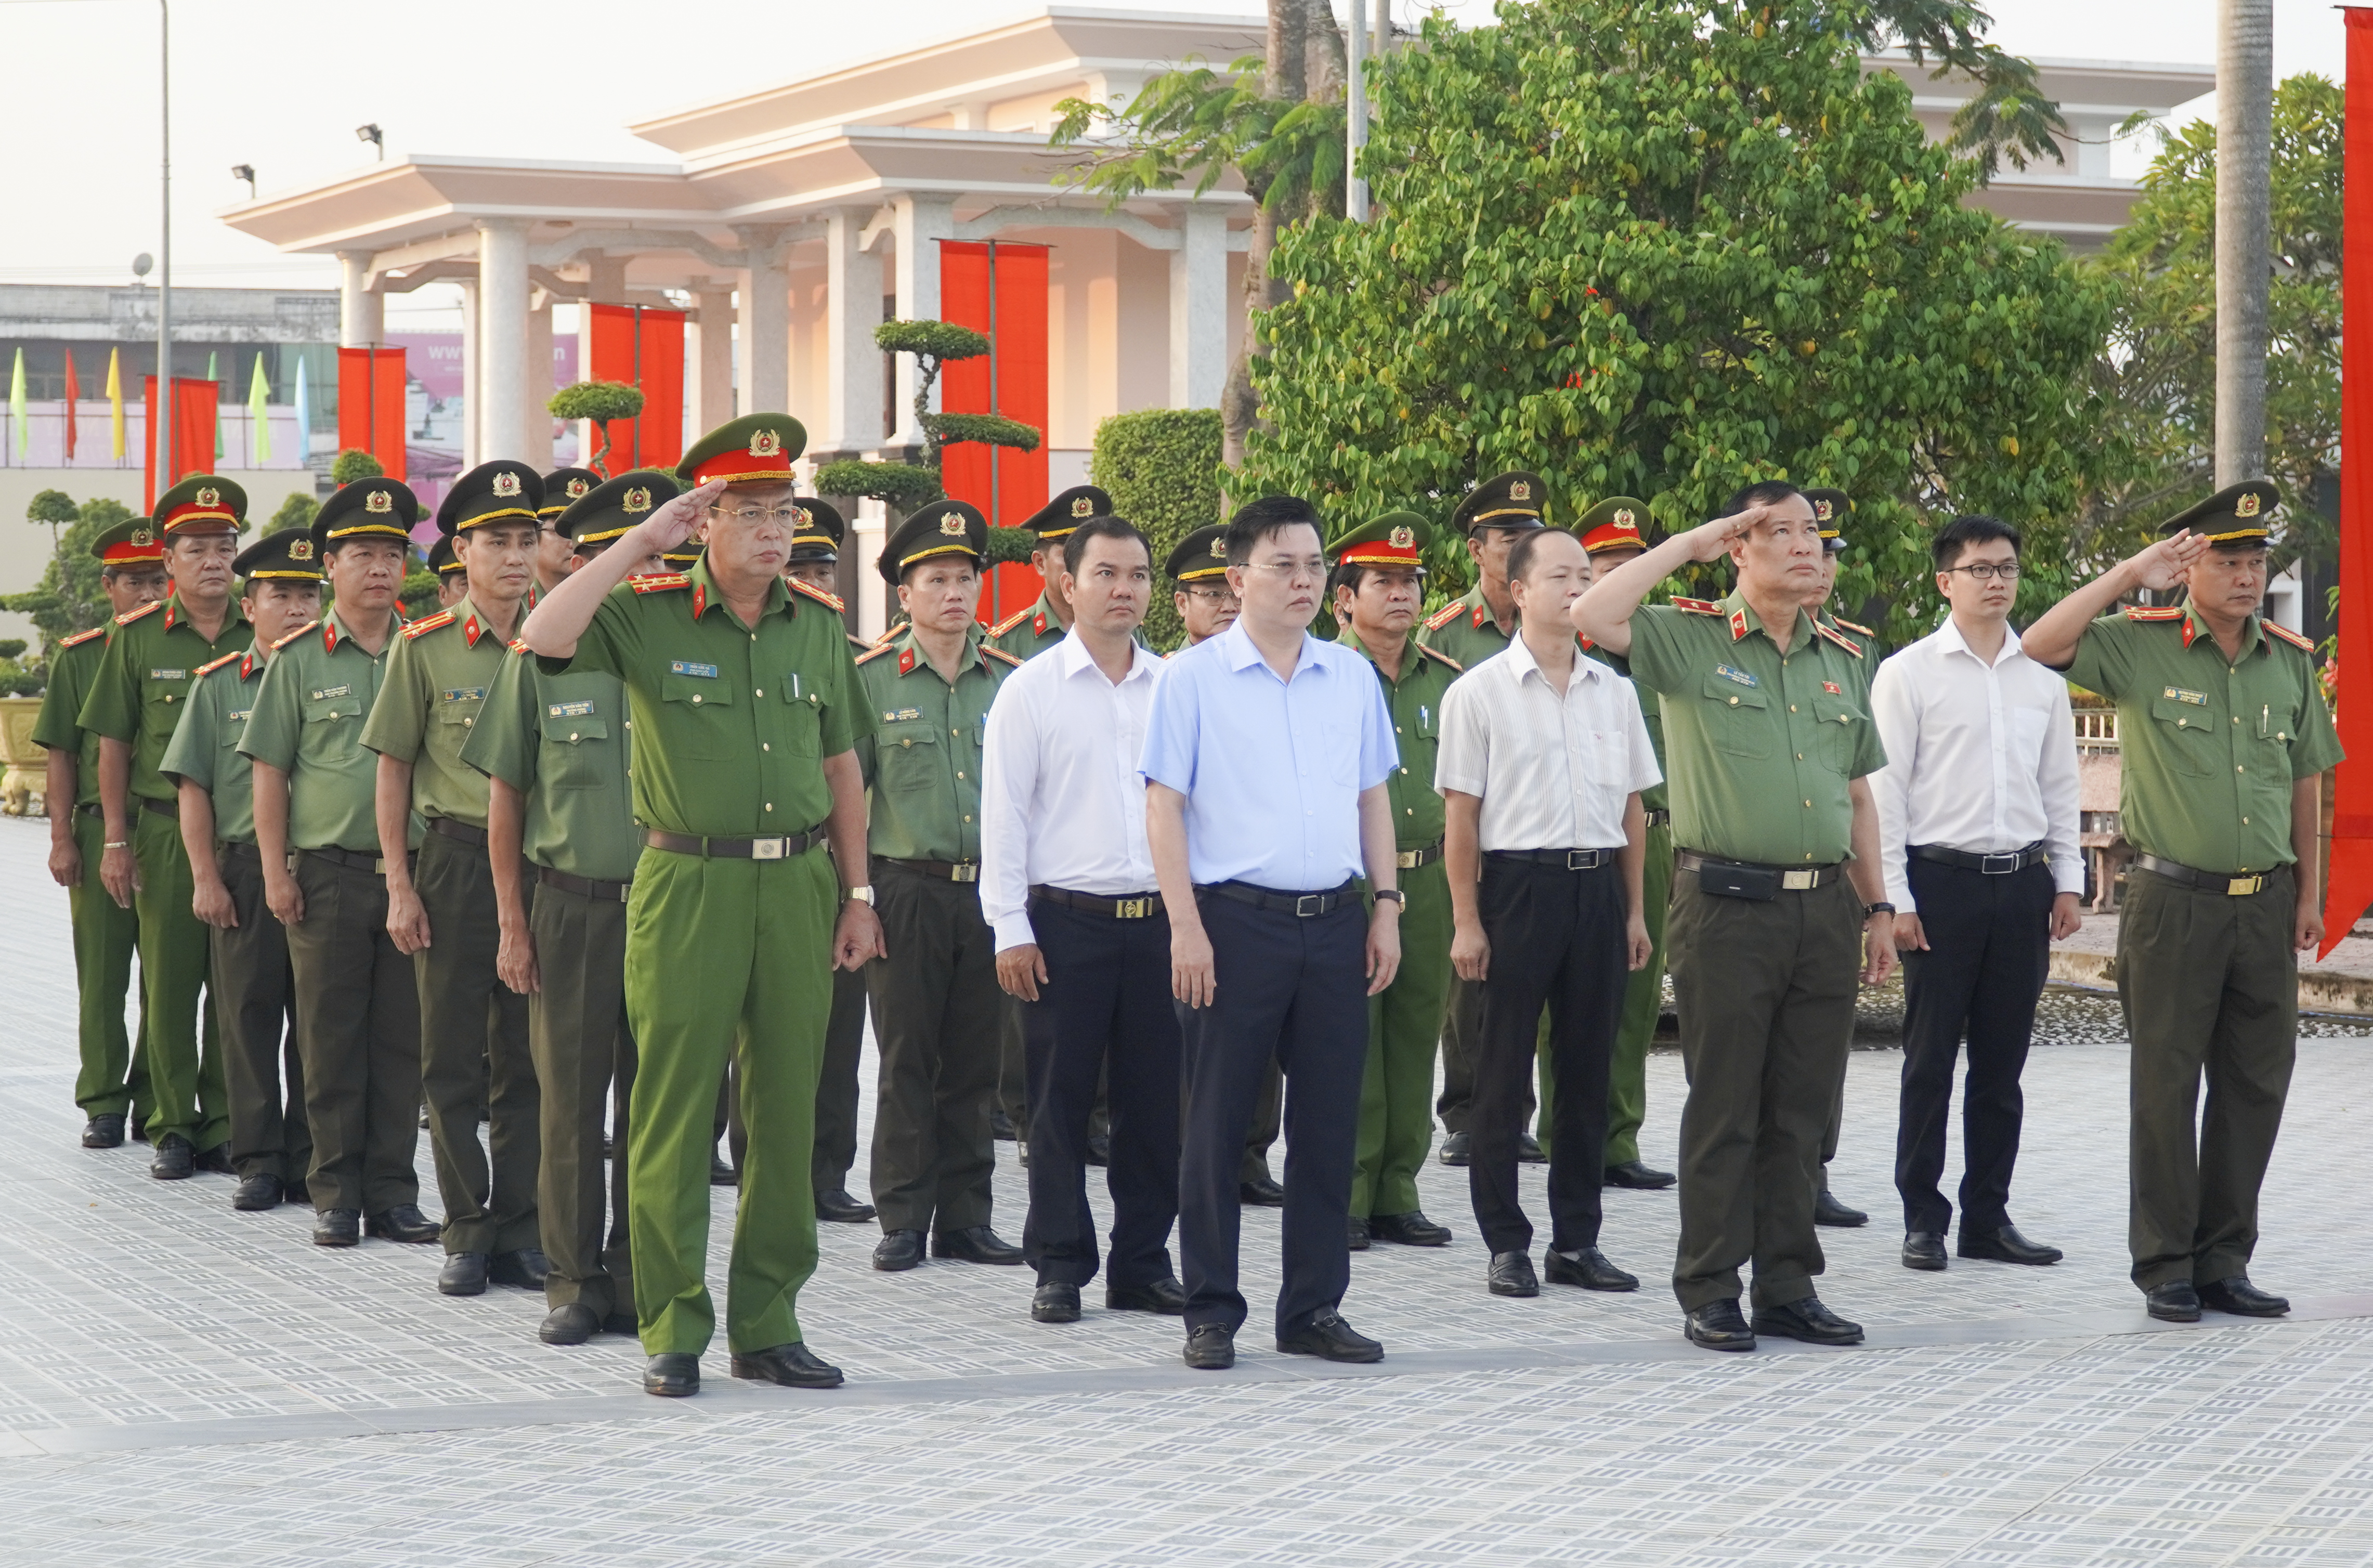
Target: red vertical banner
[(194, 434), (2350, 888), (371, 405), (643, 348), (999, 290), (73, 394)]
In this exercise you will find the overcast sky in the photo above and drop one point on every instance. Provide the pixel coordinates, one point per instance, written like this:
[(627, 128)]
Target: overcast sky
[(282, 84)]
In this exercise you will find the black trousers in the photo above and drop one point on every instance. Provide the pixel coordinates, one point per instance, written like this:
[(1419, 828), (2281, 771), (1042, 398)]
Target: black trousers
[(936, 1017), (358, 1028), (1989, 948), (1105, 1007), (1557, 938), (1292, 992), (255, 993)]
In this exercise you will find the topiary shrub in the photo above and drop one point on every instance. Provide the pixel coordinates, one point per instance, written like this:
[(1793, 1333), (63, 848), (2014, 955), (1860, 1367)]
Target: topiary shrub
[(599, 402), (1162, 468), (354, 464)]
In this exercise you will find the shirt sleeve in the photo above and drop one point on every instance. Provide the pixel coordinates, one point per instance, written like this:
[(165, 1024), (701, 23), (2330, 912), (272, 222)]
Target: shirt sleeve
[(1895, 714), (504, 742), (608, 643), (1172, 729), (57, 727), (397, 724), (1659, 659), (846, 718), (1379, 754), (2319, 745), (1009, 782), (113, 707), (1870, 752), (1645, 773), (2057, 782), (270, 733), (190, 754), (1462, 760), (2104, 661)]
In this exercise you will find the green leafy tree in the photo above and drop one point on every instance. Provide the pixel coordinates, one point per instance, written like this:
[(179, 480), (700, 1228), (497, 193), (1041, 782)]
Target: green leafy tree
[(53, 507), (297, 511), (1162, 468), (352, 464), (1660, 251), (600, 402), (906, 485), (69, 598)]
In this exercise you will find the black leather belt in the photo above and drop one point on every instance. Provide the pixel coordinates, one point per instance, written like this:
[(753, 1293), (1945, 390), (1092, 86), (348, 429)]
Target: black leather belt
[(1305, 905), (1137, 906), (736, 849), (1792, 879), (584, 887), (1409, 859), (236, 849), (475, 837), (2226, 883), (1561, 859), (1660, 819), (351, 860), (171, 808), (2009, 861), (938, 871), (92, 808)]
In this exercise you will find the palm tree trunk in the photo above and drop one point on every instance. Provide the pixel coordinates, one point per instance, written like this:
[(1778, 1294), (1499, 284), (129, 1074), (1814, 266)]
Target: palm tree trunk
[(2245, 115), (1284, 78)]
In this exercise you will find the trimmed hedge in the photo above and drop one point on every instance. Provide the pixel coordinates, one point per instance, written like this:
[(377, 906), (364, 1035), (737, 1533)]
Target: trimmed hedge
[(1162, 468)]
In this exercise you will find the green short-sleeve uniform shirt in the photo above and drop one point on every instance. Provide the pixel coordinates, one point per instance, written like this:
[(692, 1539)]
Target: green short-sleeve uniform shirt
[(922, 761), (438, 677), (1464, 630), (58, 726), (732, 723), (562, 741), (144, 681), (1763, 744), (2211, 748), (205, 748), (1416, 703), (1657, 798), (1025, 633), (308, 722)]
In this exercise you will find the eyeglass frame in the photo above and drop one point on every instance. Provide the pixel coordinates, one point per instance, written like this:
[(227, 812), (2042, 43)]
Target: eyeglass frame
[(1985, 571)]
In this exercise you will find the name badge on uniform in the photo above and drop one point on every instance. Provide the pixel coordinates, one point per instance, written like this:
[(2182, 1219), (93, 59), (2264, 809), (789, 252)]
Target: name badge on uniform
[(239, 716), (2177, 694), (169, 674), (570, 710), (333, 691), (463, 694), (1741, 677), (686, 667), (901, 714)]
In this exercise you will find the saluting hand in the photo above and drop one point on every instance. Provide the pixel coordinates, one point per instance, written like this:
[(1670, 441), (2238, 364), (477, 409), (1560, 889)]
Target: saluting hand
[(674, 522), (2163, 564), (1712, 541)]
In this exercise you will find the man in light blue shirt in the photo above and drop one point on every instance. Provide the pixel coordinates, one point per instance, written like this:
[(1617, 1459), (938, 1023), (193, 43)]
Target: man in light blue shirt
[(1265, 756)]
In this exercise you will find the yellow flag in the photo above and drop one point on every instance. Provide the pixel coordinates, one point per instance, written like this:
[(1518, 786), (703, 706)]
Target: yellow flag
[(115, 396)]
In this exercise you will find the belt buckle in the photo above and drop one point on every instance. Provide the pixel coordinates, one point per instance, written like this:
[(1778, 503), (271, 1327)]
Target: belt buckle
[(1582, 860), (1406, 859), (1800, 882), (2011, 860), (964, 873), (768, 848), (1131, 908), (2242, 886), (1309, 905)]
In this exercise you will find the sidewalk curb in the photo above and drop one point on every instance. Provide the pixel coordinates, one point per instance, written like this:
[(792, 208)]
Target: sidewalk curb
[(2348, 995)]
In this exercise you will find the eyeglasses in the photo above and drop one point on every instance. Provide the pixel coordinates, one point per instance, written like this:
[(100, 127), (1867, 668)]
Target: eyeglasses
[(1214, 596), (752, 515), (1986, 571), (1310, 569)]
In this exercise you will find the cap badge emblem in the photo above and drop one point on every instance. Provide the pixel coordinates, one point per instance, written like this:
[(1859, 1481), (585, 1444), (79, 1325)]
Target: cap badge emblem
[(637, 499), (209, 496), (1821, 510), (1083, 506), (507, 484), (2246, 505), (142, 537), (1521, 490), (576, 488), (951, 524), (765, 443), (1403, 539), (1219, 549), (378, 501), (1623, 517), (300, 549)]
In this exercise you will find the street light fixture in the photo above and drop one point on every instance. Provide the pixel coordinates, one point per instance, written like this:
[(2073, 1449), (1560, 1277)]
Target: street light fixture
[(375, 137), (245, 171)]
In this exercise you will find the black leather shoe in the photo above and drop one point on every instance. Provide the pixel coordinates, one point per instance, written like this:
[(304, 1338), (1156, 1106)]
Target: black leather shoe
[(671, 1374), (1001, 1126), (1718, 1326), (104, 1130), (403, 1223), (2234, 1293), (975, 1244), (570, 1325), (1588, 1268), (136, 1127), (1053, 1302), (2007, 1245), (1165, 1296), (1924, 1250), (791, 1366), (1827, 1211), (1805, 1319), (1512, 1275), (1328, 1337), (1212, 1349), (217, 1161), (174, 1159), (1099, 1151), (898, 1251), (1412, 1229), (337, 1227), (1355, 1233), (837, 1205), (1261, 1193), (257, 1193), (1453, 1150), (1529, 1151), (2174, 1302), (465, 1274), (722, 1172), (1639, 1178), (525, 1268)]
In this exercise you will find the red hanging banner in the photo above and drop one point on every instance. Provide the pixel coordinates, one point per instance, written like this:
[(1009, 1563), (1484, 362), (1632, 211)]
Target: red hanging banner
[(1000, 290), (643, 348), (73, 394), (2350, 887), (194, 434), (371, 405)]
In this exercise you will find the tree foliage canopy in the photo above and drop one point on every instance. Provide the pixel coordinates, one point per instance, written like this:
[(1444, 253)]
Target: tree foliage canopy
[(69, 598)]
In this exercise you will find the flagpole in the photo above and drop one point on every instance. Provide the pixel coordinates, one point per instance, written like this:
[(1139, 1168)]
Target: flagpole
[(163, 434)]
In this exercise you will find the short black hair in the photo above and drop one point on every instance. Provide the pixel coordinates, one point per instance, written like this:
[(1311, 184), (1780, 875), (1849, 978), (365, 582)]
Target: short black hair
[(1973, 528), (1521, 554), (1762, 493), (1257, 521), (1075, 543)]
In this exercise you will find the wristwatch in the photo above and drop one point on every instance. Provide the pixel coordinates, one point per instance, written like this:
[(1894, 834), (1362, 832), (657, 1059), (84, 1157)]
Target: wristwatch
[(1394, 895), (862, 895), (1870, 909)]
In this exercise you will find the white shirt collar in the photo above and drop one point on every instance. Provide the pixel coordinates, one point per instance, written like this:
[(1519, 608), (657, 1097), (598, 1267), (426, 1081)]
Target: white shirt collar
[(1950, 640), (1074, 657), (1520, 662), (1242, 652)]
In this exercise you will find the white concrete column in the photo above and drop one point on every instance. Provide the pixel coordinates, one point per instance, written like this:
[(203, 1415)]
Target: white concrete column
[(711, 389), (852, 359), (362, 315), (1198, 308), (502, 337), (536, 419), (472, 383), (919, 222), (868, 532), (765, 323)]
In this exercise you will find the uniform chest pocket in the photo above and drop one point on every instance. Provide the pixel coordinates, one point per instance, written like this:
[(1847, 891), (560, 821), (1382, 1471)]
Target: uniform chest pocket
[(574, 751), (1840, 721), (323, 709), (2187, 733), (459, 704), (908, 757), (802, 722), (1737, 718), (699, 712)]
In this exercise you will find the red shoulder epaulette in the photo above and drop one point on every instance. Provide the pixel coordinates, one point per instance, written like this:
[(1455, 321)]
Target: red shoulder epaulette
[(1444, 616), (1848, 644), (818, 595), (2287, 635), (2155, 612), (876, 651), (292, 636), (213, 664), (1000, 653), (131, 616), (1698, 606), (427, 624), (658, 582), (888, 632), (518, 646), (1849, 625), (1447, 659), (80, 637), (1012, 621)]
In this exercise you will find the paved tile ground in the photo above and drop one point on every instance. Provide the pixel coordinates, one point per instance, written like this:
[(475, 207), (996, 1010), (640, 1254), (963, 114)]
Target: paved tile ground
[(183, 1384)]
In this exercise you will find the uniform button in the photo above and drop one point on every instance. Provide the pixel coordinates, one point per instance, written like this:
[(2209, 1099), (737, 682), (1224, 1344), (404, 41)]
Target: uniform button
[(1792, 708), (960, 775), (2236, 768), (1404, 772), (572, 734), (770, 805), (695, 697), (967, 818), (2245, 822), (1800, 757), (1808, 805), (467, 722), (762, 691), (1733, 702), (764, 747)]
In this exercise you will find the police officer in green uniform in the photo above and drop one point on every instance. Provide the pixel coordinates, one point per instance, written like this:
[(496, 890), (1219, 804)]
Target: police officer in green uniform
[(254, 1001), (746, 711), (134, 702), (1379, 584), (562, 844), (556, 552), (472, 1027), (936, 1002), (1776, 891), (317, 842), (2226, 740), (1471, 629), (453, 582), (112, 1079)]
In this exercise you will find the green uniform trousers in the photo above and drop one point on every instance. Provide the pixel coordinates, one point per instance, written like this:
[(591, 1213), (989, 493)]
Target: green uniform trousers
[(1766, 993), (358, 1031), (256, 1000), (2210, 984), (1404, 1026), (837, 1091), (1644, 1002), (181, 1045), (474, 1053), (725, 954), (584, 1065), (937, 1012), (113, 1077)]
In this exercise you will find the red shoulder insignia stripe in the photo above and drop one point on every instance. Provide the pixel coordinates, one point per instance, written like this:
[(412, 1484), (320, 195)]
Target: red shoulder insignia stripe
[(518, 646), (1848, 644), (1011, 621), (131, 616), (1698, 606), (214, 665), (1444, 658), (1849, 625), (658, 582), (876, 651), (427, 624), (292, 636), (1000, 653), (1443, 616), (2287, 635), (818, 595), (80, 637), (2155, 612)]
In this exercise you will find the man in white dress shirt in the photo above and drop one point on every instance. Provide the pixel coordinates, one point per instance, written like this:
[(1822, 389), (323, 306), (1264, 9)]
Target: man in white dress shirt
[(1544, 754), (1067, 884), (1978, 825)]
